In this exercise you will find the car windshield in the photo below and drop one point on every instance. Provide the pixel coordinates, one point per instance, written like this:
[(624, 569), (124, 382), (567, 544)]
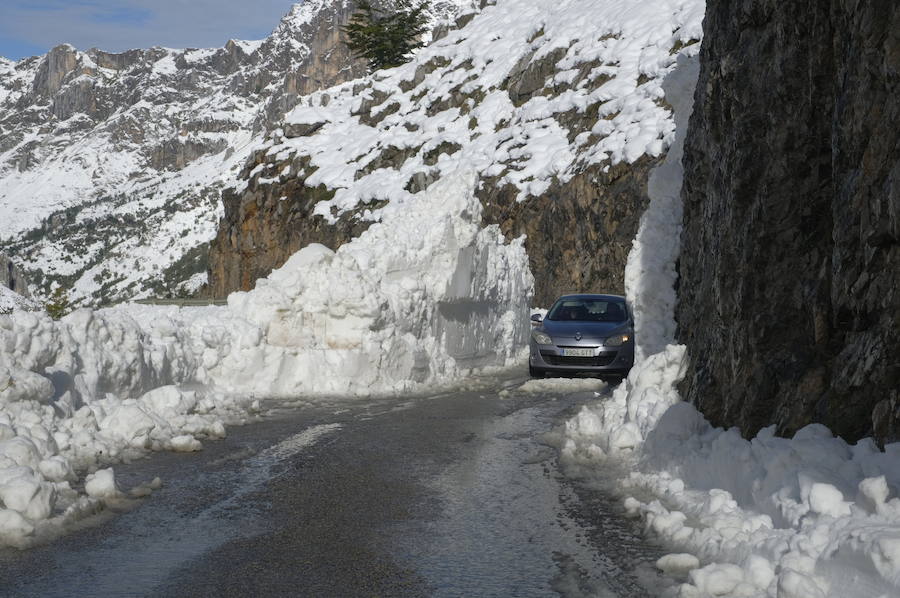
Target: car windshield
[(588, 310)]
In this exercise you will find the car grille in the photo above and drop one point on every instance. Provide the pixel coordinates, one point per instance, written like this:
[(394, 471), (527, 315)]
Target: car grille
[(601, 360)]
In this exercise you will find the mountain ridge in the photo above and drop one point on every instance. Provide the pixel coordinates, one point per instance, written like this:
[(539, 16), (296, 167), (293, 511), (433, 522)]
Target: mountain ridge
[(121, 156)]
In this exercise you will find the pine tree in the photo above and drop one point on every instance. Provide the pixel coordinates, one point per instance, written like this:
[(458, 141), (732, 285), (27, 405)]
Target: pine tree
[(58, 304), (386, 36)]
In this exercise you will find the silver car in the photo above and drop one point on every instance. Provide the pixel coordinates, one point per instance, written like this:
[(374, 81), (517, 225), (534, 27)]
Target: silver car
[(583, 333)]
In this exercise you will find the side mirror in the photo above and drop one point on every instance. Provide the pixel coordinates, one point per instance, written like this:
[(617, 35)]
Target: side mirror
[(536, 319)]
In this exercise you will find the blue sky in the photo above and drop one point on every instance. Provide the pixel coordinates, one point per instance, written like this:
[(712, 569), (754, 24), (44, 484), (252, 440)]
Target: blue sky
[(29, 27)]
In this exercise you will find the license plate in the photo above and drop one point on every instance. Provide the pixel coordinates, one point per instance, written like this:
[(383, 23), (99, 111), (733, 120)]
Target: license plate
[(577, 352)]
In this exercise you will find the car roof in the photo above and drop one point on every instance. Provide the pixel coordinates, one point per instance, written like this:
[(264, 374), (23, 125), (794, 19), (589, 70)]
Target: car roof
[(590, 296)]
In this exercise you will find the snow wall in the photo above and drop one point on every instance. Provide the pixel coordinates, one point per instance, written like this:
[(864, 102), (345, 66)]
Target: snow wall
[(806, 517), (421, 297)]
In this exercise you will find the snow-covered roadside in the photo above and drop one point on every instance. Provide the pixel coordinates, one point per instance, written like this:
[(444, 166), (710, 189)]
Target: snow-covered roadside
[(420, 298), (805, 517)]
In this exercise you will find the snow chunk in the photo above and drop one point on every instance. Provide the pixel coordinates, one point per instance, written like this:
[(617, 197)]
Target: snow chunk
[(23, 491), (17, 384), (717, 579), (677, 564), (14, 528), (827, 500), (101, 484), (186, 444)]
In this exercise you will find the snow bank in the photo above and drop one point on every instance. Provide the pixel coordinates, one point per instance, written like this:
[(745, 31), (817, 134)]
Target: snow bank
[(424, 296), (566, 385), (805, 517), (419, 297), (82, 393)]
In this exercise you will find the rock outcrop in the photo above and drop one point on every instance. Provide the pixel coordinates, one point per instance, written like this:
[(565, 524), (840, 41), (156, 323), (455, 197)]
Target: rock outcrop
[(578, 233), (788, 297), (265, 224), (12, 278)]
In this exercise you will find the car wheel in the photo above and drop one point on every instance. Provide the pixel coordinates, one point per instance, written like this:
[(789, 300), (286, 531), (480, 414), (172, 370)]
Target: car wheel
[(534, 372)]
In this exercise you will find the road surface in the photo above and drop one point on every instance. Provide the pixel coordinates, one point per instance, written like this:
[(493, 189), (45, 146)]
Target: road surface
[(446, 495)]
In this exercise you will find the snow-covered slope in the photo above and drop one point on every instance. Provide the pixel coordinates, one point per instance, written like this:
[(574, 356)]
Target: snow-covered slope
[(11, 300), (542, 106), (111, 165), (610, 63)]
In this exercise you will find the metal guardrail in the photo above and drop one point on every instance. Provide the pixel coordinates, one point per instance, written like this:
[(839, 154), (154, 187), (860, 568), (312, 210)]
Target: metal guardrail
[(183, 302)]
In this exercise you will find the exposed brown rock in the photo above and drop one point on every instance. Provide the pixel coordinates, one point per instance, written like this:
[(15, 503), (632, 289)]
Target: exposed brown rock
[(267, 223), (579, 233)]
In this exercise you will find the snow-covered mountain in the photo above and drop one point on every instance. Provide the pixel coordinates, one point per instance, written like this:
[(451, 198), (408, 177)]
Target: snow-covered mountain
[(561, 121), (523, 107), (111, 164)]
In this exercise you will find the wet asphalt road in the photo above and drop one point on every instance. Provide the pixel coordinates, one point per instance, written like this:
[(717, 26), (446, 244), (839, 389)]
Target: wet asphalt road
[(447, 495)]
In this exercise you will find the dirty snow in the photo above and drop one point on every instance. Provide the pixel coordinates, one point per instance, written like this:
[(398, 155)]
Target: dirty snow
[(566, 385)]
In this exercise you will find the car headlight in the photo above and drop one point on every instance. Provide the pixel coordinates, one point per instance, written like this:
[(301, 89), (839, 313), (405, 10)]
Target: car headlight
[(541, 338), (617, 341)]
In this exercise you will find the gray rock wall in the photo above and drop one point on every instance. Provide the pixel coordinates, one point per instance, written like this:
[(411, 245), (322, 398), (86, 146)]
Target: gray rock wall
[(788, 296), (12, 278)]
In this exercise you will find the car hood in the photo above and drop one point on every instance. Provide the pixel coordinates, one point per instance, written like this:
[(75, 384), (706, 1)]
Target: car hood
[(563, 329)]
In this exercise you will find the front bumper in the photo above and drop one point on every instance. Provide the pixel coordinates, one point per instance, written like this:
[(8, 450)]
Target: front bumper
[(605, 360)]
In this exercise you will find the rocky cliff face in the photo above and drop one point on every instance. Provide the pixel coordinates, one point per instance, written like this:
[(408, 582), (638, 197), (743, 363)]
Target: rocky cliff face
[(788, 297), (563, 131), (111, 165), (578, 233), (265, 224), (12, 278)]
